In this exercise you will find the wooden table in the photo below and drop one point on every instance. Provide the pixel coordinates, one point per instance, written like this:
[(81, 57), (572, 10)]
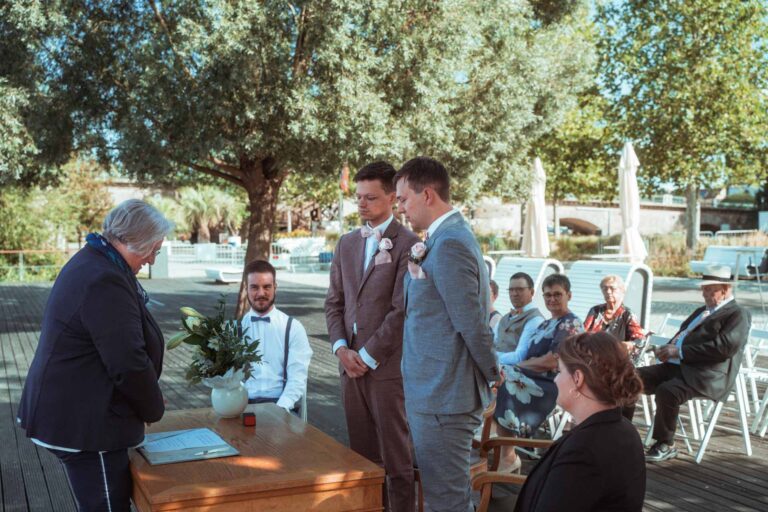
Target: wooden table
[(284, 465)]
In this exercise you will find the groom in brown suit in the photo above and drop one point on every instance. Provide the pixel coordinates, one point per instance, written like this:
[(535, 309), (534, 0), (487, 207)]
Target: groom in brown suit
[(364, 312)]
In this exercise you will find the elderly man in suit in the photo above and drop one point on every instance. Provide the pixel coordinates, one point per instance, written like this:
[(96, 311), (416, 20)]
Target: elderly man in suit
[(449, 362), (364, 313), (701, 360)]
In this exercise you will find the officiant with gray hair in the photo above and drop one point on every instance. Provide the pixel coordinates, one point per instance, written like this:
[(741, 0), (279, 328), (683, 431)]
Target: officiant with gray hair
[(701, 360), (93, 383)]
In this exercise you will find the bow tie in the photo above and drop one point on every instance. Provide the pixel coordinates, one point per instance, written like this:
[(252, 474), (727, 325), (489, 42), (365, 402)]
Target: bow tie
[(255, 318), (367, 231)]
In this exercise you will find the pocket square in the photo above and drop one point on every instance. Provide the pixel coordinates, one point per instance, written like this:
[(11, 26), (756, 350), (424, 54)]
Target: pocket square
[(382, 257), (416, 271)]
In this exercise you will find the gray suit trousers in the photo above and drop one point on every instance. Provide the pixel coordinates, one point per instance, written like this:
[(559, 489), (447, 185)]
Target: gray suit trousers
[(442, 443)]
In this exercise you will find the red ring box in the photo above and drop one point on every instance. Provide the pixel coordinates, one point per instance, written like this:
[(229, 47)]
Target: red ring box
[(249, 419)]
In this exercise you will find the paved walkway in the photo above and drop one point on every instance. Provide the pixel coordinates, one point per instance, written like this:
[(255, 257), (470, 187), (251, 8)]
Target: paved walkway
[(31, 479)]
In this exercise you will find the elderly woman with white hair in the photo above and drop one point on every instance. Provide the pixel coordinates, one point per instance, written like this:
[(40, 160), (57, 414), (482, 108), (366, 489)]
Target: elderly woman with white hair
[(613, 316), (93, 383)]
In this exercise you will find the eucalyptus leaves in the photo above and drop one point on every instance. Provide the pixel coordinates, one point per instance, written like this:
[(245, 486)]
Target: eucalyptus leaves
[(219, 344)]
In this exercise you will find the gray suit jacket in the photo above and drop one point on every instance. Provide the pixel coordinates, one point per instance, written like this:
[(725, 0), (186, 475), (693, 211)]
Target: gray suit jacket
[(448, 353)]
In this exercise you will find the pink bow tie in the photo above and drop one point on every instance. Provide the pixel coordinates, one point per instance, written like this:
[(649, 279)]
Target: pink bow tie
[(367, 231)]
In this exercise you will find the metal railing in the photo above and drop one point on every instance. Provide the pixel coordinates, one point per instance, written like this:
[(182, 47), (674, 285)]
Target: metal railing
[(180, 252), (734, 232), (23, 268)]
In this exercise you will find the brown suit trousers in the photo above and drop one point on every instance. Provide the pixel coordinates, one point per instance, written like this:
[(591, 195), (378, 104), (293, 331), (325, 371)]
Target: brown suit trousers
[(366, 308)]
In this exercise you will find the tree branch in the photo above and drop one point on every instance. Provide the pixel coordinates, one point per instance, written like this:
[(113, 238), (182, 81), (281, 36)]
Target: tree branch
[(167, 31), (232, 169), (213, 172), (299, 60)]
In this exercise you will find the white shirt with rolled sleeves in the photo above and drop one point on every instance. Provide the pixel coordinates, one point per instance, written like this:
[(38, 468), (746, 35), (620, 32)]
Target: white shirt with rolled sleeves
[(266, 379)]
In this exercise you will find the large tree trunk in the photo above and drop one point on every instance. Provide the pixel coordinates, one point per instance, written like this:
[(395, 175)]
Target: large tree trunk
[(692, 217), (555, 216), (262, 183), (203, 234)]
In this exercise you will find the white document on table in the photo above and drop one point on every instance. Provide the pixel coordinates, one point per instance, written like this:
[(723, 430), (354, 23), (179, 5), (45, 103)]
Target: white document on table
[(185, 445)]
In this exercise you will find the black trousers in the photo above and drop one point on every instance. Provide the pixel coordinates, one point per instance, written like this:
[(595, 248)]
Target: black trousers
[(100, 481), (665, 380)]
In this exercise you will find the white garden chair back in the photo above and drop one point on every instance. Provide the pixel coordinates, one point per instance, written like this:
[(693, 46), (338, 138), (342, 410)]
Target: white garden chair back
[(755, 372)]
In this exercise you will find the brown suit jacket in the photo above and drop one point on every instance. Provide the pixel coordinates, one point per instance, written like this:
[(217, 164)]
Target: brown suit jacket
[(374, 300)]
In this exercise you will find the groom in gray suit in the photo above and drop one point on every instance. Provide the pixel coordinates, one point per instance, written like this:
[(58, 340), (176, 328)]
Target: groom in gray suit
[(449, 362)]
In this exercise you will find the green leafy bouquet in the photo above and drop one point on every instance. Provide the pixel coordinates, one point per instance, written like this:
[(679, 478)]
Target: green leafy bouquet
[(223, 353)]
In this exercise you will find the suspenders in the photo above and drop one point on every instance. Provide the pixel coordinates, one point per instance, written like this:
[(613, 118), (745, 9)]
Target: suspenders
[(285, 353), (285, 350)]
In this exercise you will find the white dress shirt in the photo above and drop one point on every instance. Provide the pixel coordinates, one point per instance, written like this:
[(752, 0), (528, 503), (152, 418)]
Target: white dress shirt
[(266, 379), (436, 223), (371, 245)]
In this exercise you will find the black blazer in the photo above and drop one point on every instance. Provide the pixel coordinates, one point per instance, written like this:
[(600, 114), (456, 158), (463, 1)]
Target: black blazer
[(597, 466), (713, 350), (93, 382)]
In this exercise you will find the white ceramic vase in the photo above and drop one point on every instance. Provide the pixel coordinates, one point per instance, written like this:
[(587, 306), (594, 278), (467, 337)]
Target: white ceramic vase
[(229, 398), (229, 402)]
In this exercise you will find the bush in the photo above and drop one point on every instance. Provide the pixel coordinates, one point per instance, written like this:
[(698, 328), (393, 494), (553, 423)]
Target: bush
[(31, 220), (573, 248), (493, 242), (296, 233)]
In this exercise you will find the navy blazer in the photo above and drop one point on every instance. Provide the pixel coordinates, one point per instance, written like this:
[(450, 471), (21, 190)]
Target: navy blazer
[(93, 382), (713, 350), (597, 466)]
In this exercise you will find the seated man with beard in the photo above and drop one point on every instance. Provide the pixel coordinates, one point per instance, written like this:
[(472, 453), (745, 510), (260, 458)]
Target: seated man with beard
[(281, 377)]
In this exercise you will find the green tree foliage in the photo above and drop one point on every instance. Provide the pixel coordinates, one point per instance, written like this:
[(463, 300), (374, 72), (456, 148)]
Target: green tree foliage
[(84, 197), (687, 84), (30, 220), (250, 92), (201, 213), (576, 155), (36, 130)]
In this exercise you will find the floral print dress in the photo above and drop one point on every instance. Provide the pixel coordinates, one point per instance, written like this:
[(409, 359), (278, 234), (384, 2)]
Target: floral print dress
[(527, 397)]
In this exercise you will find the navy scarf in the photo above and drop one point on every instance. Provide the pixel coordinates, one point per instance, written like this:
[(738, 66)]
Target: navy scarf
[(101, 244)]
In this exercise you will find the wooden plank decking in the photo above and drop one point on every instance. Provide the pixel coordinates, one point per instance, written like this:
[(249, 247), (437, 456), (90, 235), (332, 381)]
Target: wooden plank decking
[(31, 478)]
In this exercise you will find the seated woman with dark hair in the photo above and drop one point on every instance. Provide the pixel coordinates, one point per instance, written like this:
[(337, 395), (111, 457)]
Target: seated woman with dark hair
[(599, 465), (613, 316), (528, 394)]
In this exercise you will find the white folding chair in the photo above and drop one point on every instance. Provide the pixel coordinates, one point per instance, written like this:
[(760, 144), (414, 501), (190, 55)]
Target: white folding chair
[(303, 406), (754, 374), (694, 410), (709, 420)]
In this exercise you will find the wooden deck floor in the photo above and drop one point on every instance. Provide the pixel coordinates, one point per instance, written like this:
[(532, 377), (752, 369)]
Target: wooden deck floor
[(31, 478)]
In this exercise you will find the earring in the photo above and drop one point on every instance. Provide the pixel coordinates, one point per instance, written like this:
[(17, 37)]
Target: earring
[(576, 391)]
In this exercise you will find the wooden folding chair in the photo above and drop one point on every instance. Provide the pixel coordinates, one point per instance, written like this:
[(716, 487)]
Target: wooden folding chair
[(483, 482)]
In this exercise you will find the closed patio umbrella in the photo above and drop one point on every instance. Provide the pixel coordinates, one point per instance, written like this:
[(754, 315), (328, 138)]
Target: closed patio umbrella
[(629, 201), (535, 238)]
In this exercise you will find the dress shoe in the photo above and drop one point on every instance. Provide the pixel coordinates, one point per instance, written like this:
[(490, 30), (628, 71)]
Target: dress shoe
[(512, 468), (660, 451)]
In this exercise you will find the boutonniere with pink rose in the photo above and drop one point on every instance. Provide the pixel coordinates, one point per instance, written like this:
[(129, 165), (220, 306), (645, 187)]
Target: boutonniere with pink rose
[(383, 256), (415, 259)]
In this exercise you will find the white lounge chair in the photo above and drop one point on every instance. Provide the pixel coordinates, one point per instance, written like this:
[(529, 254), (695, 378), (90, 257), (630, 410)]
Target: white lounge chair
[(735, 256), (225, 275)]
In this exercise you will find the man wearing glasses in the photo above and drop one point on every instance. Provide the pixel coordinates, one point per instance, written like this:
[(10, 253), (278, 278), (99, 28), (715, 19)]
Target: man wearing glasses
[(521, 321)]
